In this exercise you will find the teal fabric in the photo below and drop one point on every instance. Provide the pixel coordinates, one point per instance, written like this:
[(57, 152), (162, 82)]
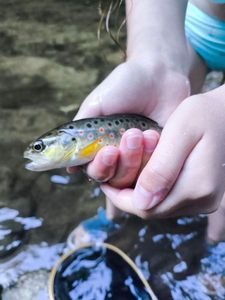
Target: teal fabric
[(217, 1), (207, 36)]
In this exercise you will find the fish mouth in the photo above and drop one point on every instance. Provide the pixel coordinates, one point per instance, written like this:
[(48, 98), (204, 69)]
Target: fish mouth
[(29, 162), (36, 167), (31, 165)]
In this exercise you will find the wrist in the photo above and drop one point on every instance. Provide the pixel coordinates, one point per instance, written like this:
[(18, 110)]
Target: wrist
[(176, 61), (154, 39)]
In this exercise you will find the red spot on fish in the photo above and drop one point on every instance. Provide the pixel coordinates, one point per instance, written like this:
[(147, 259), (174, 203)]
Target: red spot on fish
[(111, 135), (101, 130), (90, 136), (81, 132), (100, 141)]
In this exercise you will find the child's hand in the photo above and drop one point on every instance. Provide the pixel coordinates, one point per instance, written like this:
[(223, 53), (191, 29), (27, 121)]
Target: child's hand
[(133, 87), (141, 87), (121, 167), (186, 172)]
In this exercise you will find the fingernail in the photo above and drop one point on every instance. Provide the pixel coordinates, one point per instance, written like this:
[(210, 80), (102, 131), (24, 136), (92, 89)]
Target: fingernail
[(133, 142), (109, 157), (144, 199)]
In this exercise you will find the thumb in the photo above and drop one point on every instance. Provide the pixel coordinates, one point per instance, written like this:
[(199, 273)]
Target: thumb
[(106, 97), (91, 107), (165, 164)]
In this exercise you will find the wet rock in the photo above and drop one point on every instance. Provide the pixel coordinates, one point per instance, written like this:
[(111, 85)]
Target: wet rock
[(30, 286), (50, 59), (43, 183), (39, 81), (11, 237), (213, 80), (5, 180)]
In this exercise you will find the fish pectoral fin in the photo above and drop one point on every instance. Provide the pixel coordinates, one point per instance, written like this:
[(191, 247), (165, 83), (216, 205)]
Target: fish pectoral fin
[(90, 149), (69, 154)]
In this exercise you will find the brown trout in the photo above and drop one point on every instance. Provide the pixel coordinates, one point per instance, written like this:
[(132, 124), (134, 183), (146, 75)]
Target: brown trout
[(77, 142)]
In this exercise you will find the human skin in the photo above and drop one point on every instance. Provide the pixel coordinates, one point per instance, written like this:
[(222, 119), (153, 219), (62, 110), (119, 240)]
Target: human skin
[(186, 173), (172, 165), (216, 226), (150, 82)]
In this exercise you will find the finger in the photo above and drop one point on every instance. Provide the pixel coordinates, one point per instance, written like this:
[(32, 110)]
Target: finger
[(72, 170), (199, 187), (191, 209), (103, 167), (162, 170), (151, 138), (91, 106), (105, 98), (120, 198), (131, 150)]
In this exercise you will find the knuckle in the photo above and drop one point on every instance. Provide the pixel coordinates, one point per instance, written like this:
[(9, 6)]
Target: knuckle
[(101, 175), (211, 203), (211, 209), (143, 215), (131, 161), (207, 195), (209, 206), (205, 190), (156, 173)]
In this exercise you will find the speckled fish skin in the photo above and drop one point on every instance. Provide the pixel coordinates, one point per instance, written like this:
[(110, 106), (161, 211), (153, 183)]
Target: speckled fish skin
[(77, 142)]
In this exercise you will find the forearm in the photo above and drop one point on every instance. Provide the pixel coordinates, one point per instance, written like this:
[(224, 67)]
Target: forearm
[(156, 29)]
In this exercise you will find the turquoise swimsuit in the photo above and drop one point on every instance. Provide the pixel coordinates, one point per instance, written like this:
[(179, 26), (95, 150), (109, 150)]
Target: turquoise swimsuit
[(207, 36), (217, 1)]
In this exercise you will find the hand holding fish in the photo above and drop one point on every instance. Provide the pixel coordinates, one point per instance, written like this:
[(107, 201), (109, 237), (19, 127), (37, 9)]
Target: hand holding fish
[(186, 173), (133, 82)]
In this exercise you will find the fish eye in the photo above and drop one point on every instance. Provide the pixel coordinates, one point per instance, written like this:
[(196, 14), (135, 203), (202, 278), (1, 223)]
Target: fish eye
[(38, 146)]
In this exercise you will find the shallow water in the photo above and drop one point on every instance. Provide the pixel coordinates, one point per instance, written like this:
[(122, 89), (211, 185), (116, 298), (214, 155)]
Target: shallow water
[(97, 273), (49, 60)]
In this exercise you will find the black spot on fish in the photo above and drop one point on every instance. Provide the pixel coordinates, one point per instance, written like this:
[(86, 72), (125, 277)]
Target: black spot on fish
[(89, 125), (71, 127), (143, 124), (74, 139), (102, 120), (96, 122), (110, 124), (117, 122), (127, 120), (121, 120)]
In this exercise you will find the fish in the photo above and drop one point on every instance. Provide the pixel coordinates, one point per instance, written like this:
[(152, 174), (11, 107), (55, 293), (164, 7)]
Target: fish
[(77, 142)]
